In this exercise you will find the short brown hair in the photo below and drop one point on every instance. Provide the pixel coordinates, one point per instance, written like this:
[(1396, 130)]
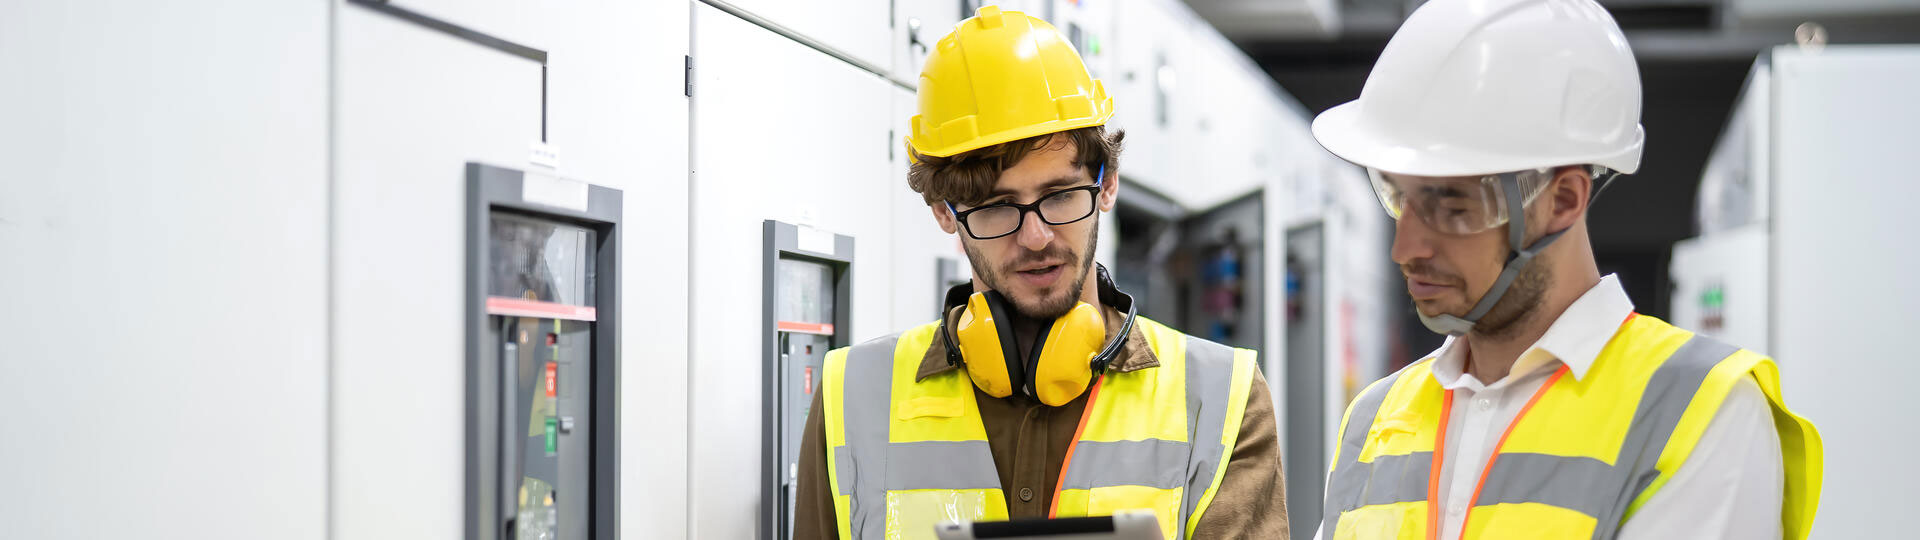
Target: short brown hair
[(968, 177)]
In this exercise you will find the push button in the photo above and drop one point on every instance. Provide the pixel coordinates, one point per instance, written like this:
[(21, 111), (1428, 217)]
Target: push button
[(1026, 494)]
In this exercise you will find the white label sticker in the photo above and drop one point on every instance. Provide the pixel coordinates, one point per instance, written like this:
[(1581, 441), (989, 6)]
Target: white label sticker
[(554, 191), (816, 240), (544, 155)]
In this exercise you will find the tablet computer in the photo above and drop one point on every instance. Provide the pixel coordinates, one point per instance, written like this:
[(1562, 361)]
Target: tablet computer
[(1120, 526)]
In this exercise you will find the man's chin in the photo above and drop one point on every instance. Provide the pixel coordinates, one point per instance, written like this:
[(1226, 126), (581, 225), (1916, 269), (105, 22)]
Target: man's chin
[(1435, 308), (1042, 306)]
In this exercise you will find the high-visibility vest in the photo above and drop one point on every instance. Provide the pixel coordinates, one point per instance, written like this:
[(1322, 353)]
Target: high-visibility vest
[(905, 455), (1577, 462)]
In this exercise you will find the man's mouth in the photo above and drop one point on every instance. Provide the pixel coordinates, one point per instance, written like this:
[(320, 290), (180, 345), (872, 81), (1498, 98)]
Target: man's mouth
[(1425, 288), (1040, 275)]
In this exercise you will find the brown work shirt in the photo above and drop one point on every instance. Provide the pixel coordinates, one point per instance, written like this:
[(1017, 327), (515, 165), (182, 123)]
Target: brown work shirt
[(1029, 442)]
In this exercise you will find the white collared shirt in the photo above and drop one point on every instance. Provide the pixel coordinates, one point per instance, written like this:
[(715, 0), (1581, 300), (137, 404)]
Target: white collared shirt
[(1730, 487)]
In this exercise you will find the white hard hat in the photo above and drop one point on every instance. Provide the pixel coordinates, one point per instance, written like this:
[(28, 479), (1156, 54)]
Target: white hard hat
[(1475, 87)]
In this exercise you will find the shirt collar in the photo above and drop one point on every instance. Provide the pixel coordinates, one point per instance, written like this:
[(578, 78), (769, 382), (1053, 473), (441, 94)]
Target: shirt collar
[(1136, 355), (1575, 339)]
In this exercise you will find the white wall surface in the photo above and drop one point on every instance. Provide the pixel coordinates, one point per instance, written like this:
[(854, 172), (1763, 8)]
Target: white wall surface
[(162, 269), (1845, 289)]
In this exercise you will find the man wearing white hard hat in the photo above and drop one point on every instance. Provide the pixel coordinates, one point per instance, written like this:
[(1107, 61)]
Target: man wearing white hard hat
[(1552, 410)]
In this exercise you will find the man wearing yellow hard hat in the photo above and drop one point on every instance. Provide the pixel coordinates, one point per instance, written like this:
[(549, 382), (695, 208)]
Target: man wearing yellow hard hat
[(1038, 393), (1552, 410)]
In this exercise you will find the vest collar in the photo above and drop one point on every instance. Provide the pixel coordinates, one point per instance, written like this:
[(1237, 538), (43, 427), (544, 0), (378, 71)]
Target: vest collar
[(1575, 339), (1136, 355)]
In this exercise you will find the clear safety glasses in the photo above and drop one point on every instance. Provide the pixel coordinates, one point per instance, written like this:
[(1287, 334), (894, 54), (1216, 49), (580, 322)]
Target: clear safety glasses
[(1456, 205)]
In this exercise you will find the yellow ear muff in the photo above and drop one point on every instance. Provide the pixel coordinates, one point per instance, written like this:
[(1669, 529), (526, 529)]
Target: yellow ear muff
[(979, 340), (1065, 366)]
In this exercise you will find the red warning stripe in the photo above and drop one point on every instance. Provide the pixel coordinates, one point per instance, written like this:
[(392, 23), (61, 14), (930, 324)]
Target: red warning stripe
[(805, 328), (521, 307)]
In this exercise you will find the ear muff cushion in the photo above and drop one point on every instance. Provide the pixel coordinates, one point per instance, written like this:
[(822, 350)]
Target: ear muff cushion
[(979, 337), (1065, 366)]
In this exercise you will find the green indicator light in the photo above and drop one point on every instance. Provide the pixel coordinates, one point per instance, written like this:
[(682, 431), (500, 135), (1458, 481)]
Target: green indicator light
[(553, 436)]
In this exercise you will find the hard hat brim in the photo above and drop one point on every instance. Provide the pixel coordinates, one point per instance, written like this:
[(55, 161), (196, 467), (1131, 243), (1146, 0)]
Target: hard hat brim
[(1011, 135), (1342, 132)]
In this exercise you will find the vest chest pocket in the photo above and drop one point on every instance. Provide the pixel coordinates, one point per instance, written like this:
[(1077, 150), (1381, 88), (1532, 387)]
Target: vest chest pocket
[(1165, 504), (937, 407), (1402, 521), (1396, 436)]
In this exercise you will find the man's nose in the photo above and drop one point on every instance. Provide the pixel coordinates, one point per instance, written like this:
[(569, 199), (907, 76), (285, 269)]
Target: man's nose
[(1412, 240), (1034, 233)]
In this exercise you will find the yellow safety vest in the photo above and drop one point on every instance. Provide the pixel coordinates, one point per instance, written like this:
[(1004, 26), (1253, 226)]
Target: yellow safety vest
[(1577, 462), (905, 455)]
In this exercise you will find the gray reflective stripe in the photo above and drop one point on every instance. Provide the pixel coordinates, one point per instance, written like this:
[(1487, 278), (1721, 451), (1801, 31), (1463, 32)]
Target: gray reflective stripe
[(866, 402), (941, 465), (1209, 369), (1573, 483), (1352, 485), (1661, 405), (1152, 462), (1392, 479)]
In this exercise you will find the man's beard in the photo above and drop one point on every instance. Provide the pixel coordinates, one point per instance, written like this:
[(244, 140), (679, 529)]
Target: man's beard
[(1522, 297), (1040, 308)]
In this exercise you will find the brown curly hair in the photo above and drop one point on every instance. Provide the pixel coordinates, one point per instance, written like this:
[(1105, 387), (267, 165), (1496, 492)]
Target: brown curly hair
[(967, 178)]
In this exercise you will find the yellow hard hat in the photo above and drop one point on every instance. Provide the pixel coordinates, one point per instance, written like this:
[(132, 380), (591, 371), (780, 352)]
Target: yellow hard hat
[(1000, 77)]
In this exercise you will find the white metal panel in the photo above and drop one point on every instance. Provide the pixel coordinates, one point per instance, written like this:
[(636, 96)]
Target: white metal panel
[(1733, 185), (1731, 266), (520, 21), (163, 219), (1141, 44), (918, 242), (617, 111), (413, 106), (936, 19), (814, 151), (857, 27), (1844, 285)]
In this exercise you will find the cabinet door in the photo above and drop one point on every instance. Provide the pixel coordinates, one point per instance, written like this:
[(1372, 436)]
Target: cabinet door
[(780, 131), (413, 107)]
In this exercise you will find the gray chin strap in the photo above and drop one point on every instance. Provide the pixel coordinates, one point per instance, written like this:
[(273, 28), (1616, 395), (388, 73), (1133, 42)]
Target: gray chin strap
[(1517, 261)]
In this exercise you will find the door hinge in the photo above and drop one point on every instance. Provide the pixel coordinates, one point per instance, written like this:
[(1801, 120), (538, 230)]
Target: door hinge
[(689, 75)]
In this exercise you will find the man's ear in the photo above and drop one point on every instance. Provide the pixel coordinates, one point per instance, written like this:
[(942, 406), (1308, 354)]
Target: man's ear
[(1567, 197), (944, 216), (1109, 190)]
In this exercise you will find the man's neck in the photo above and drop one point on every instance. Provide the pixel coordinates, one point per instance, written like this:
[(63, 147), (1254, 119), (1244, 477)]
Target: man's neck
[(1491, 357)]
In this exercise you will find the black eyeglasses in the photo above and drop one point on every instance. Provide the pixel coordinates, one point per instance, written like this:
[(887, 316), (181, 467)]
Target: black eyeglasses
[(1001, 219)]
